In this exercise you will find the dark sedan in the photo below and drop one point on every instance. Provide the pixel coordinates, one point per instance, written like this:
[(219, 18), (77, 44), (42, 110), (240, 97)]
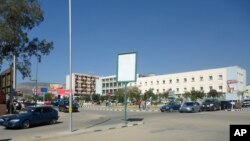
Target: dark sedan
[(211, 105), (170, 107), (64, 106), (30, 116), (226, 104)]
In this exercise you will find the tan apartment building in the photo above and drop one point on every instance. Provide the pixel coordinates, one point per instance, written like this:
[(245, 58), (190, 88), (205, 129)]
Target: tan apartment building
[(82, 83)]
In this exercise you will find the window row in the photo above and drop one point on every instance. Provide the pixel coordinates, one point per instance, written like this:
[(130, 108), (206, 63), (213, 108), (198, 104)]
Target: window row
[(185, 80), (177, 90)]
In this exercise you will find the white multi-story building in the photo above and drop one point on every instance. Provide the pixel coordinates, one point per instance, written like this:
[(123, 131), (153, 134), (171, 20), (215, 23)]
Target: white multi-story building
[(228, 80), (110, 85)]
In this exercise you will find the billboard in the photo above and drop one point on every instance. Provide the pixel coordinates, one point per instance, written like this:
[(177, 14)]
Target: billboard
[(126, 68), (56, 86), (232, 86)]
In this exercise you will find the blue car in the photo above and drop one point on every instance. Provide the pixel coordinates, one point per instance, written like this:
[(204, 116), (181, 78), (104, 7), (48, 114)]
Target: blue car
[(30, 116), (170, 107)]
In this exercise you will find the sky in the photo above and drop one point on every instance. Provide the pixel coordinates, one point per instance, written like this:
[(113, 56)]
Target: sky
[(169, 36)]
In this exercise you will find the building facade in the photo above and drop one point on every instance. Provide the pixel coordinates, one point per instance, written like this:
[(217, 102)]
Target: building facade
[(82, 83), (248, 91), (228, 80), (110, 85)]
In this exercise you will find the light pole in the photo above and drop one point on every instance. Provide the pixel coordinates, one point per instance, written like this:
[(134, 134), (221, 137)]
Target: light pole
[(36, 82)]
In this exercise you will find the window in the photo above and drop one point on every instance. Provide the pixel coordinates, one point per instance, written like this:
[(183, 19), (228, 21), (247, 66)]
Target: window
[(157, 82), (157, 90), (185, 79), (201, 88), (220, 77), (163, 90), (146, 83), (163, 81), (47, 110), (210, 77), (193, 88), (193, 79), (220, 87), (151, 82), (185, 89), (210, 87), (170, 81), (177, 89), (201, 78), (177, 80)]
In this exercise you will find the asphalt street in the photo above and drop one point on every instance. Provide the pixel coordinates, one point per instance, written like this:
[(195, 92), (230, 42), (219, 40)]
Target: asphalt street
[(99, 125)]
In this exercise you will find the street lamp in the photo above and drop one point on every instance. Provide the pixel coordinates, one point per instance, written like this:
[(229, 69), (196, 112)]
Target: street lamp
[(36, 82)]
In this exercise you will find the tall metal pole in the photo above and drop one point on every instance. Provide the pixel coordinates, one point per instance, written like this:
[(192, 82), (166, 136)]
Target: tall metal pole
[(14, 84), (125, 103), (36, 81), (14, 73), (70, 72)]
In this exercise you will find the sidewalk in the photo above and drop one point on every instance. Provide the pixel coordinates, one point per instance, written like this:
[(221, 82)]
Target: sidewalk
[(87, 134), (133, 108)]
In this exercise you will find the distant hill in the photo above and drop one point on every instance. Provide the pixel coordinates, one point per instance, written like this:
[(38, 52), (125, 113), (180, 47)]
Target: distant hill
[(27, 87)]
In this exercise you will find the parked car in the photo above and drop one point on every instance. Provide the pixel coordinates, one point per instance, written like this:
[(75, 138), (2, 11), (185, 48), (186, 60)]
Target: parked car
[(226, 104), (190, 107), (30, 116), (246, 103), (170, 107), (211, 105), (63, 106), (55, 102)]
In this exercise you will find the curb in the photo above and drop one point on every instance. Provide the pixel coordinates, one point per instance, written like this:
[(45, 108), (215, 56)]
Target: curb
[(234, 110), (86, 131), (116, 110)]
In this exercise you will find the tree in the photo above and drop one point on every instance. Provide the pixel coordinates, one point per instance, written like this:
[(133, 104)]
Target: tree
[(134, 93), (187, 95), (17, 18), (213, 93), (119, 95), (96, 97), (196, 95), (48, 96), (164, 95), (149, 94)]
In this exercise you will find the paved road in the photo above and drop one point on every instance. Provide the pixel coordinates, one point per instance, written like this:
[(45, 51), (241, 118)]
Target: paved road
[(205, 126)]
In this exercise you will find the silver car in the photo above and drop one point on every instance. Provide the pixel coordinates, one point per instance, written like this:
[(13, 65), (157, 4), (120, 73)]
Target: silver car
[(190, 107)]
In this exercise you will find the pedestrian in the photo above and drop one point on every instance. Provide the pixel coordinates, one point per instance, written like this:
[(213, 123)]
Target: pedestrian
[(139, 104)]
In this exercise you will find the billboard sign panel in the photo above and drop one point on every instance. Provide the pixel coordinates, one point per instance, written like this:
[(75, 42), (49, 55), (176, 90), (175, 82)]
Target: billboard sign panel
[(126, 69), (56, 86)]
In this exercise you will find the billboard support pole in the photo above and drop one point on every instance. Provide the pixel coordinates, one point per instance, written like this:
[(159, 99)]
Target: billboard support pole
[(125, 103)]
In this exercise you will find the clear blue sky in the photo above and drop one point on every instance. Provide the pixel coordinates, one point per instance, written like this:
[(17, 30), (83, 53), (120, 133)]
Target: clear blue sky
[(169, 36)]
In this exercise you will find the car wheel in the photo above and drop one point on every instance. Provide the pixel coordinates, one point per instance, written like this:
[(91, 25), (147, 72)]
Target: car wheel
[(171, 110), (26, 124), (53, 121), (162, 110)]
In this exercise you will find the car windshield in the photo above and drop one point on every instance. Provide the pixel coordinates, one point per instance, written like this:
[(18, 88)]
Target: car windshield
[(208, 100), (189, 104)]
